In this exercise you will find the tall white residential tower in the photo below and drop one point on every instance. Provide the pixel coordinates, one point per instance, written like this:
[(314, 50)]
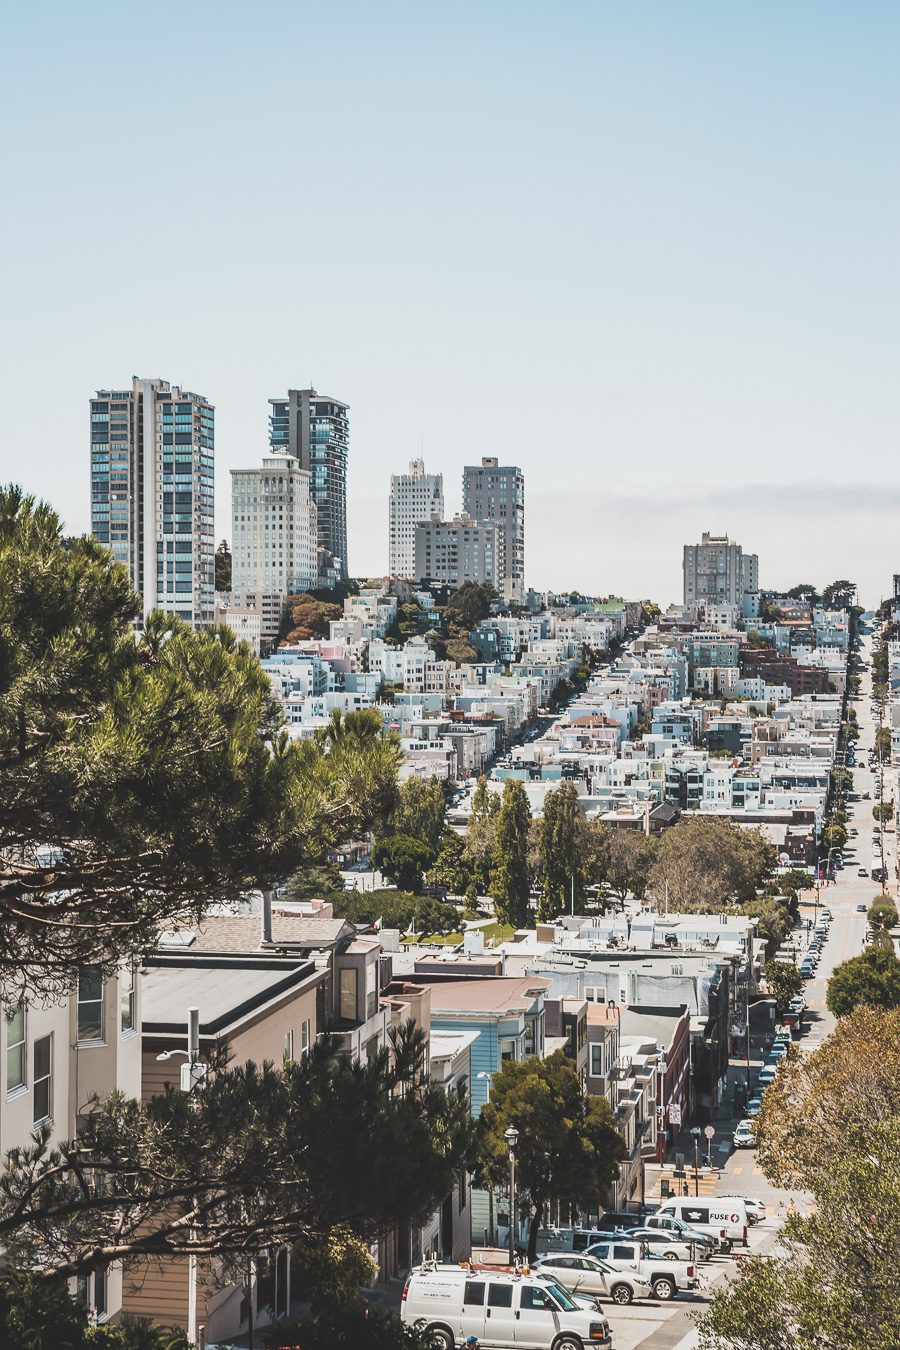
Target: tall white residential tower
[(415, 496)]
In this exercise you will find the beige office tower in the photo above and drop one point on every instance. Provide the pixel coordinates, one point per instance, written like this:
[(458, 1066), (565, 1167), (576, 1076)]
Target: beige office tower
[(273, 528)]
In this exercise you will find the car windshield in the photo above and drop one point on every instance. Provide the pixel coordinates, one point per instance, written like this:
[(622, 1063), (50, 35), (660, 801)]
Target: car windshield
[(562, 1296)]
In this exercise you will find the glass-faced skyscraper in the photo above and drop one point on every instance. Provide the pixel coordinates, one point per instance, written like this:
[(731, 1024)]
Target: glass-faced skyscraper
[(315, 429), (152, 464)]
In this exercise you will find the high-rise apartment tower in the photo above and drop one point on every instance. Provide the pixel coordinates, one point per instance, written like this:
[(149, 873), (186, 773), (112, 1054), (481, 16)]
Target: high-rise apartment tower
[(274, 526), (152, 468), (315, 429), (718, 572), (415, 496), (496, 492)]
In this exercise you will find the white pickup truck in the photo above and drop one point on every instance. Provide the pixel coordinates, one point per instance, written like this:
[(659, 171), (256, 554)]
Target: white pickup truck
[(667, 1278)]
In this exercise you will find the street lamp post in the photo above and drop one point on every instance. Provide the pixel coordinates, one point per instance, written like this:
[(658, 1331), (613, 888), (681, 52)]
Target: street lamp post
[(695, 1135), (512, 1138)]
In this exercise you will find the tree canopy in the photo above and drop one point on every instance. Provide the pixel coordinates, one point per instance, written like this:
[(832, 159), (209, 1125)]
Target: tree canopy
[(568, 1147), (259, 1156), (785, 982), (871, 979), (510, 879), (830, 1126), (143, 776), (306, 617), (706, 860)]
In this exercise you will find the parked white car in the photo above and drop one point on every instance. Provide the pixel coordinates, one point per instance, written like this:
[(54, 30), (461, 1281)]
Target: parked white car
[(744, 1135), (583, 1274)]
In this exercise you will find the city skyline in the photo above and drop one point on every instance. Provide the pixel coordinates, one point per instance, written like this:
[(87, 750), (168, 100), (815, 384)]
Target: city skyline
[(649, 257)]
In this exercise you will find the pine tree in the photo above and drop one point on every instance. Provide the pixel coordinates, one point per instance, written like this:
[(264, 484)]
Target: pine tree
[(510, 883), (561, 850)]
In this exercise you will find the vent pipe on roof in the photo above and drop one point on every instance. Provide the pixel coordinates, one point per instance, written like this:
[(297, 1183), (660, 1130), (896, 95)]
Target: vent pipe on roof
[(265, 937)]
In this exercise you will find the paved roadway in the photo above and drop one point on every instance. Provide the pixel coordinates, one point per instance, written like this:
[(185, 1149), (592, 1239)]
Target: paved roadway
[(652, 1326)]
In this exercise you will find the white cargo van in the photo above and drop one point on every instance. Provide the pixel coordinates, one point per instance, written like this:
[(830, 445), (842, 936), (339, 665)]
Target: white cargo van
[(711, 1215), (502, 1310)]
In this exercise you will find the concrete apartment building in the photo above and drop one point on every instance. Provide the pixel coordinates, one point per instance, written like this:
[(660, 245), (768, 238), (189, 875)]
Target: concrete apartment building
[(451, 552), (274, 523), (253, 616), (495, 492), (152, 470), (57, 1056), (315, 429), (415, 496), (717, 572)]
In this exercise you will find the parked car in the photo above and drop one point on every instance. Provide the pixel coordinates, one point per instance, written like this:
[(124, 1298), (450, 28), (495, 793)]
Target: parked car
[(767, 1075), (666, 1277), (744, 1136), (862, 872), (753, 1109), (584, 1274), (701, 1238), (862, 909), (667, 1245)]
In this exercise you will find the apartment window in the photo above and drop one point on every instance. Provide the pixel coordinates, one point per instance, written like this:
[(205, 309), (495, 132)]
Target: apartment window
[(597, 1060), (15, 1047), (43, 1078), (289, 1044), (507, 1049), (348, 998), (100, 1293), (304, 1035), (90, 1003), (126, 999)]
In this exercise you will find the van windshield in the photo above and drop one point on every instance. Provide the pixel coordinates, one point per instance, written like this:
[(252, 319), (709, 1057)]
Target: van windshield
[(562, 1296)]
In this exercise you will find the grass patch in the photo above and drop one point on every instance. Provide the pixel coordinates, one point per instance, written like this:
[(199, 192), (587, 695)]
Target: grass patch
[(500, 932)]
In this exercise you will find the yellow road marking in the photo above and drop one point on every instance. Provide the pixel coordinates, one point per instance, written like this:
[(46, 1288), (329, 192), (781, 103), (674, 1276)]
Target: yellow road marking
[(757, 1171)]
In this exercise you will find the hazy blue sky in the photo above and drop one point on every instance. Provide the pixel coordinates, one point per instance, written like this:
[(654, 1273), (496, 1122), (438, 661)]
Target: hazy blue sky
[(647, 251)]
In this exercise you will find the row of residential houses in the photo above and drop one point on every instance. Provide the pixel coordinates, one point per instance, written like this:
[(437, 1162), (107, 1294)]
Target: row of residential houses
[(647, 1009)]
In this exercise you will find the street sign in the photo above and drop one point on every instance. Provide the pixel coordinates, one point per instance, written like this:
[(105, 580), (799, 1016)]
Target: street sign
[(674, 1113), (710, 1131)]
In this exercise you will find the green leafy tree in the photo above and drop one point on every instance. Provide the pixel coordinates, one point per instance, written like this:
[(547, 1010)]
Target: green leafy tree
[(806, 593), (775, 917), (710, 861), (629, 859), (318, 881), (223, 567), (563, 850), (420, 812), (830, 1126), (510, 882), (402, 860), (883, 913), (785, 982), (481, 833), (305, 617), (449, 868), (883, 812), (834, 836), (258, 1157), (568, 1148), (872, 979), (143, 779), (838, 595), (883, 743), (469, 605)]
